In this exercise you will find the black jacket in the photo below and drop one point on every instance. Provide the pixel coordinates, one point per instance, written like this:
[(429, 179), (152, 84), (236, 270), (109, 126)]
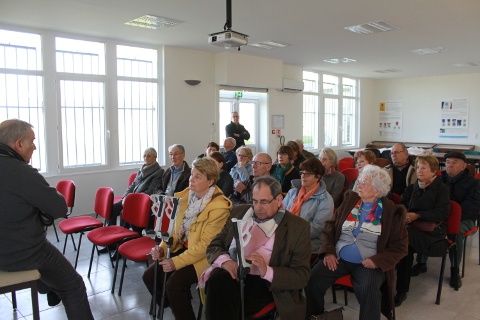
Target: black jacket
[(146, 183), (465, 190), (225, 183), (230, 161), (182, 183), (232, 128)]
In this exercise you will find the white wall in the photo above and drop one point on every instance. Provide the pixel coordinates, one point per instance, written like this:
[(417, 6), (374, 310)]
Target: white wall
[(421, 99)]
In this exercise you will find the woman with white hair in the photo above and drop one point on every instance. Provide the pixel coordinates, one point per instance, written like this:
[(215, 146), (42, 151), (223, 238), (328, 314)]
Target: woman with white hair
[(365, 238)]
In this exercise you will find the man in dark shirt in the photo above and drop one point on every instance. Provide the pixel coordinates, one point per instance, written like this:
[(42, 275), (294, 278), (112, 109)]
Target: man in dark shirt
[(229, 153), (238, 132), (402, 171)]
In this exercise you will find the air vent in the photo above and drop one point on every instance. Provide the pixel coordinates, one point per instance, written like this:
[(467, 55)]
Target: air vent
[(468, 64), (430, 50), (340, 60), (153, 22), (372, 27), (387, 71), (269, 44)]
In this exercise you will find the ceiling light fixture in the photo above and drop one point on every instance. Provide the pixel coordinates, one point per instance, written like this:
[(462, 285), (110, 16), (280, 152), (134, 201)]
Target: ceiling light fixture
[(340, 60), (387, 71), (153, 22), (468, 64), (269, 44), (430, 50), (372, 27)]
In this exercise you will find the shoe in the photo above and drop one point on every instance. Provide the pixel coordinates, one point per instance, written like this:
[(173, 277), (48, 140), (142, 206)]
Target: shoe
[(399, 298), (419, 268), (53, 299), (452, 281), (103, 250)]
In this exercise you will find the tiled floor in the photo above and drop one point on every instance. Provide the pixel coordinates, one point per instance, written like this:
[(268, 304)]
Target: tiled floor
[(135, 299)]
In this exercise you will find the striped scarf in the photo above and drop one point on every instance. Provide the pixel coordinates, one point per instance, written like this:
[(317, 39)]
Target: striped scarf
[(372, 223)]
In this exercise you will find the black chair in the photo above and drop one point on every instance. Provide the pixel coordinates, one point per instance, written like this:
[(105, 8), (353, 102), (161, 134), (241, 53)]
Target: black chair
[(375, 151), (387, 154)]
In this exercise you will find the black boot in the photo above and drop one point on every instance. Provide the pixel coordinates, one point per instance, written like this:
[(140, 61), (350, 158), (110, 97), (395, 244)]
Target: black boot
[(419, 268), (455, 278)]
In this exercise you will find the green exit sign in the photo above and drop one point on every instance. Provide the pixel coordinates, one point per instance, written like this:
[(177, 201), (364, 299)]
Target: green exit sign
[(238, 94)]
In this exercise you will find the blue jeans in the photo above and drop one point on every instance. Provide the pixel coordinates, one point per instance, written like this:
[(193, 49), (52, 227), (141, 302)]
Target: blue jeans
[(58, 274)]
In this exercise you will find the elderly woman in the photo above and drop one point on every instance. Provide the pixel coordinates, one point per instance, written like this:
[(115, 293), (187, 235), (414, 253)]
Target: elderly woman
[(243, 169), (310, 200), (225, 182), (149, 177), (298, 157), (427, 201), (362, 158), (334, 180), (365, 238), (211, 147), (284, 171), (202, 214)]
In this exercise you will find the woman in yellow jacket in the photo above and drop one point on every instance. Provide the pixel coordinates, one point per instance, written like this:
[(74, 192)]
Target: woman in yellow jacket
[(202, 214)]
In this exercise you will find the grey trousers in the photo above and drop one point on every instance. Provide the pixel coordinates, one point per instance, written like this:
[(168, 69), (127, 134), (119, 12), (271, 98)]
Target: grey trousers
[(366, 283)]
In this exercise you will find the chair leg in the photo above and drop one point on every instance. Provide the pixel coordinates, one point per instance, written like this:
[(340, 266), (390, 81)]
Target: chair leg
[(73, 241), (91, 260), (78, 251), (440, 281), (65, 244), (345, 295), (14, 301), (334, 294), (115, 273), (464, 254), (55, 229), (200, 310), (34, 294), (121, 277)]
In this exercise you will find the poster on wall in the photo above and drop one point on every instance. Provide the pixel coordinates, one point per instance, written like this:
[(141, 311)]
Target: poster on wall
[(454, 119), (390, 120)]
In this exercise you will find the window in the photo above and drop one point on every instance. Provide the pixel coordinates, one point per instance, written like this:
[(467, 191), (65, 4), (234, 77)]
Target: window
[(335, 108), (77, 56), (137, 103), (21, 93)]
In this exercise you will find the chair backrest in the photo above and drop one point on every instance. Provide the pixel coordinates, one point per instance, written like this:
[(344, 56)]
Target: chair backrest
[(477, 175), (349, 160), (103, 202), (396, 198), (375, 151), (137, 209), (351, 175), (439, 172), (67, 189), (471, 168), (453, 222), (387, 154), (342, 165), (471, 152), (381, 162), (132, 178)]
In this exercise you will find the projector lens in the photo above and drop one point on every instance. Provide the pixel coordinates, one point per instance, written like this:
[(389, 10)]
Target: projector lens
[(214, 38)]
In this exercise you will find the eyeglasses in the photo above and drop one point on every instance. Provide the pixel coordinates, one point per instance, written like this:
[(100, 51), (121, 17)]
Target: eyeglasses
[(363, 183), (262, 202), (258, 163), (175, 154), (242, 156), (306, 173), (323, 159), (397, 152)]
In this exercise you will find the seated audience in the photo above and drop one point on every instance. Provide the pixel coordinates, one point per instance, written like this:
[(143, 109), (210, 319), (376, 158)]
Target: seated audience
[(175, 178), (401, 171), (284, 171), (305, 153), (310, 200), (297, 155), (211, 147), (149, 177), (243, 169), (280, 253), (225, 181), (428, 205), (229, 153), (365, 238), (334, 180), (261, 165), (362, 158), (202, 214)]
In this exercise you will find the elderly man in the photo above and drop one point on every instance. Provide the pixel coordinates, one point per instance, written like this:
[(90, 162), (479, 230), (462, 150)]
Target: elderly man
[(465, 190), (261, 164), (280, 253), (175, 178), (305, 153), (402, 171), (229, 153), (235, 130), (28, 202)]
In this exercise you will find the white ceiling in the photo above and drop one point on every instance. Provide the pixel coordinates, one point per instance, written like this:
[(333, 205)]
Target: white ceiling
[(313, 28)]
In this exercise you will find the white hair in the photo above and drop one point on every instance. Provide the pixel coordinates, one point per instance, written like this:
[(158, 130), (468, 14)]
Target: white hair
[(380, 178), (152, 151), (232, 141)]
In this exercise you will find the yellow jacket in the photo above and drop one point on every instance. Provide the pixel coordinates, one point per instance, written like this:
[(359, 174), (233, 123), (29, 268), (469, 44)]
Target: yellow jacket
[(203, 229)]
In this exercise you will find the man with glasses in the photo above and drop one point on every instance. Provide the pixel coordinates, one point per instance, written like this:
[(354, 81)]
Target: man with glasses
[(175, 178), (229, 153), (261, 164), (235, 130), (279, 250), (401, 171)]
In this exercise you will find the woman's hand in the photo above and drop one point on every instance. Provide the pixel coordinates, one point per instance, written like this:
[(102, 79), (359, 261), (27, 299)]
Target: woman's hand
[(156, 254), (232, 267), (168, 265), (369, 264), (411, 216), (257, 260), (330, 261)]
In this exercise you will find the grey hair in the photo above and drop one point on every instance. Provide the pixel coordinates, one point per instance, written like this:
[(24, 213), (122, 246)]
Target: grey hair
[(271, 182), (332, 155), (179, 146), (404, 147), (152, 151), (299, 140), (232, 141), (12, 130), (269, 159), (380, 178)]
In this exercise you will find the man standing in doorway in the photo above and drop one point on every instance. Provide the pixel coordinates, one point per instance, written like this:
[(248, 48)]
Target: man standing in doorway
[(235, 130)]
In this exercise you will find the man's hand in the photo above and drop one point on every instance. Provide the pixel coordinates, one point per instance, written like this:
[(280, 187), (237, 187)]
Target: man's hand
[(330, 261), (240, 186), (232, 267), (236, 135), (168, 265), (257, 260), (411, 216), (369, 264)]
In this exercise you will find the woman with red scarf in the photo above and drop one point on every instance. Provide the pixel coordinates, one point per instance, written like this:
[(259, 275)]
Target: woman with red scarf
[(310, 200)]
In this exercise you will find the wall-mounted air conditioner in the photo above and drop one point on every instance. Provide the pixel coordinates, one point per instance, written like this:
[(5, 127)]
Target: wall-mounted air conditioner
[(292, 86)]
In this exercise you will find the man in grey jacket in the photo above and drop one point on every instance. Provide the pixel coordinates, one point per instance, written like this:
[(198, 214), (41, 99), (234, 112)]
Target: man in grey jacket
[(27, 200)]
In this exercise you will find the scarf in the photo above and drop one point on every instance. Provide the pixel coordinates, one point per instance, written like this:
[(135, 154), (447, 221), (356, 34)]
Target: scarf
[(195, 206), (372, 223), (301, 198), (423, 185), (144, 169), (403, 166), (280, 172), (330, 171)]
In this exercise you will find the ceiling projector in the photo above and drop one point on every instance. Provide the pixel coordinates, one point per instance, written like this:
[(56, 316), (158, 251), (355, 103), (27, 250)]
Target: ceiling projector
[(228, 39)]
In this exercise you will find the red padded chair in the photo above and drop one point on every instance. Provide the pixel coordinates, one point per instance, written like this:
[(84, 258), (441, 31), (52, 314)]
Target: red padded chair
[(131, 178), (109, 235), (102, 207), (267, 312), (67, 189), (477, 175), (396, 198), (351, 175), (349, 161), (464, 254), (344, 281)]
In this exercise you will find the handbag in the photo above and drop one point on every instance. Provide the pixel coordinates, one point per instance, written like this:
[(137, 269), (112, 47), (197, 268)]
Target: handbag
[(424, 225), (335, 314)]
